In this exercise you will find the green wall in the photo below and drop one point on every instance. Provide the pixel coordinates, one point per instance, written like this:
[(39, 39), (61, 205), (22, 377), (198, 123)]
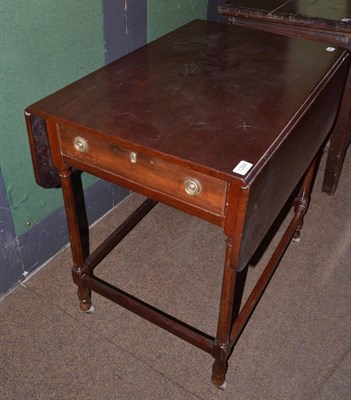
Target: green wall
[(45, 44), (167, 15)]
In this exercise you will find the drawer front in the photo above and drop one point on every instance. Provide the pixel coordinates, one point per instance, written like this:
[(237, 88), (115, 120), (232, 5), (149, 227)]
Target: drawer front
[(179, 182)]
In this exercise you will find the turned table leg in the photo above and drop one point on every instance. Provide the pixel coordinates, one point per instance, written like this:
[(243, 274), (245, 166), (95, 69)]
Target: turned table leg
[(221, 343), (79, 268), (302, 200)]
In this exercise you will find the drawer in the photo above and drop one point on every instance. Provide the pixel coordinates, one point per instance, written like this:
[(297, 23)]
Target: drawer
[(158, 175)]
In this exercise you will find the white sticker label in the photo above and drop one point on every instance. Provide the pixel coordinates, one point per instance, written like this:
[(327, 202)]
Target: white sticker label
[(242, 168), (330, 48)]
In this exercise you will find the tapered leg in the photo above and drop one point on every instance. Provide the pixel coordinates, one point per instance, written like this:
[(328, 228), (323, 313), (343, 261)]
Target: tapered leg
[(79, 200), (220, 348), (240, 282), (79, 267), (302, 200)]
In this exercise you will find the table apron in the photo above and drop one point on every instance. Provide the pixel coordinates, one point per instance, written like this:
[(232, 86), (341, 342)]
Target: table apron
[(173, 184)]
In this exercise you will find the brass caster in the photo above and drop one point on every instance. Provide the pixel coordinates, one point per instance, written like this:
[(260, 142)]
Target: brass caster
[(223, 386), (91, 310)]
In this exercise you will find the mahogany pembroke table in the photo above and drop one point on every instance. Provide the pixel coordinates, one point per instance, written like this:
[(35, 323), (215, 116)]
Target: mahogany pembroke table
[(222, 122), (327, 21)]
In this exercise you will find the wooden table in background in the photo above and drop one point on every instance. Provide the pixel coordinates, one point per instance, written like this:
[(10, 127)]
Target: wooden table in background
[(326, 21), (221, 122)]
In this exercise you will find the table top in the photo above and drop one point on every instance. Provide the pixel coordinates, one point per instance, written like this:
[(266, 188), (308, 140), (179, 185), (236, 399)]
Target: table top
[(333, 15), (206, 95)]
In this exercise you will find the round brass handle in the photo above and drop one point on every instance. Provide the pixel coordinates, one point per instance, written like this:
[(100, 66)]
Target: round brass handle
[(192, 186), (80, 144)]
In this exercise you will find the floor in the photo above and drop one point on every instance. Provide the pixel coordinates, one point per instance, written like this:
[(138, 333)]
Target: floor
[(296, 345)]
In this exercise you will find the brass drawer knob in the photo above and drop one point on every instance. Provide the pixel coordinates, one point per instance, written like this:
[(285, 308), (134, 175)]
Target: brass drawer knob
[(192, 186), (80, 144)]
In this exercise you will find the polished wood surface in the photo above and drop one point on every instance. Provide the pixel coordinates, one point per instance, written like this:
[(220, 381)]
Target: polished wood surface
[(129, 101), (318, 19), (321, 20), (221, 122)]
